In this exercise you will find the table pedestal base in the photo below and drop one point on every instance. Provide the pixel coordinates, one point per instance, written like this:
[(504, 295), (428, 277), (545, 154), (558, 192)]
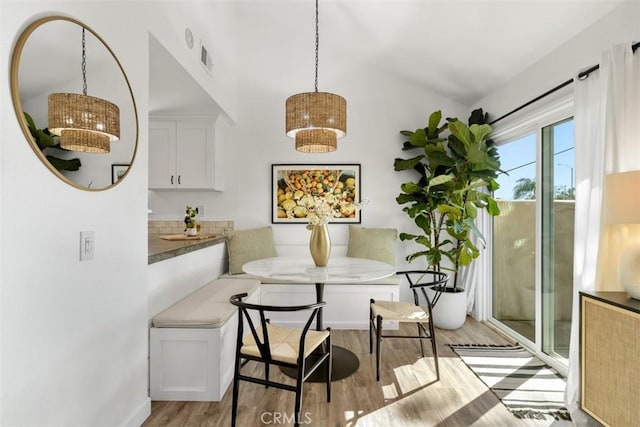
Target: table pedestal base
[(345, 363)]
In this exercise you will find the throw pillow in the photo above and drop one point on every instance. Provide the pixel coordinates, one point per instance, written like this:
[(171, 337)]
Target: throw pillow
[(248, 245), (378, 244)]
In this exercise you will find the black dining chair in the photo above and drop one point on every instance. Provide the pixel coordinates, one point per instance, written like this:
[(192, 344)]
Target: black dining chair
[(281, 346), (405, 312)]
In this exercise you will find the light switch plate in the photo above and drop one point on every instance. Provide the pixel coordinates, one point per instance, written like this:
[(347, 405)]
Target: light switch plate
[(87, 245)]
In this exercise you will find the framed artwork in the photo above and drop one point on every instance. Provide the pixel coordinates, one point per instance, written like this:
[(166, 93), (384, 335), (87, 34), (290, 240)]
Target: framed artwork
[(118, 170), (298, 189)]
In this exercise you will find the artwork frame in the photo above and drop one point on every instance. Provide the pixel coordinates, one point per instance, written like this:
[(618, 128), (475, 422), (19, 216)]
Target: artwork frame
[(337, 177), (118, 170)]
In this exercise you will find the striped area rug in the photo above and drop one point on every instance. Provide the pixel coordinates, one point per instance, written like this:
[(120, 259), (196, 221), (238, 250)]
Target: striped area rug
[(527, 386)]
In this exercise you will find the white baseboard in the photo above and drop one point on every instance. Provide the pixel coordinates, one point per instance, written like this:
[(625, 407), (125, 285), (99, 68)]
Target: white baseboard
[(140, 415)]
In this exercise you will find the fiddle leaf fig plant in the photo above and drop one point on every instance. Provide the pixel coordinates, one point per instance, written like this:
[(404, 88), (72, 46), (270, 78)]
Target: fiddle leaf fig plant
[(455, 174), (44, 139)]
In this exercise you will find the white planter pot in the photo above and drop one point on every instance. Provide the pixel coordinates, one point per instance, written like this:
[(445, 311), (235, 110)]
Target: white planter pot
[(450, 311)]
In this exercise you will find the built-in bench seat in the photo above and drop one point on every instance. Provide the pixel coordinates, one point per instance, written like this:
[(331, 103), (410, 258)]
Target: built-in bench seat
[(192, 342)]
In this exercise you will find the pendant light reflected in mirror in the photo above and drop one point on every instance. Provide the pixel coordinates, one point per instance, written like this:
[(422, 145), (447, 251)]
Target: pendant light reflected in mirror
[(84, 123), (57, 40)]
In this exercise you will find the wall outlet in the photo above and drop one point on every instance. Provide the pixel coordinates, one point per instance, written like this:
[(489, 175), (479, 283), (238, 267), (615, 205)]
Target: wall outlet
[(87, 245)]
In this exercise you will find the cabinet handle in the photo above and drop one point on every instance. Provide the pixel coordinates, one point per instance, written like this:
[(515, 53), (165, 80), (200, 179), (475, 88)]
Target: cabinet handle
[(171, 179), (179, 180)]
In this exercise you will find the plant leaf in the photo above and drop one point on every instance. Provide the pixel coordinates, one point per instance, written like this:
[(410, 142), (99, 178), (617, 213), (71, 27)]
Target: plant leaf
[(437, 155), (410, 187), (424, 223), (470, 209), (406, 164), (478, 117), (407, 236), (480, 132), (492, 207), (30, 122), (418, 138), (434, 121), (440, 179), (62, 164), (460, 131)]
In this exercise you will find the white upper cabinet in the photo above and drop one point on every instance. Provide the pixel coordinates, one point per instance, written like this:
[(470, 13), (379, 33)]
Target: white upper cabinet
[(162, 154), (182, 154)]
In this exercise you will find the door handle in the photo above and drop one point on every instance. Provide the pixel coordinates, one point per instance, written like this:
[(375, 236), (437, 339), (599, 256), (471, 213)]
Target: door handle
[(179, 180), (171, 179)]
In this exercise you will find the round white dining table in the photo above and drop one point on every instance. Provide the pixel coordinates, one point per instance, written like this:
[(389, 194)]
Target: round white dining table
[(302, 270)]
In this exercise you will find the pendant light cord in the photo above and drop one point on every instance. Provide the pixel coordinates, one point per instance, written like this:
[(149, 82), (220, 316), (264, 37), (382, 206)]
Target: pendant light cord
[(84, 65), (317, 44)]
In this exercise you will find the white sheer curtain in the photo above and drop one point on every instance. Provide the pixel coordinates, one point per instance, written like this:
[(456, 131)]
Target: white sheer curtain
[(607, 139)]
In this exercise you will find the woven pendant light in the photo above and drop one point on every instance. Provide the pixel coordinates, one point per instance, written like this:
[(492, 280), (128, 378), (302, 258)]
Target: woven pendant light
[(84, 123), (316, 119)]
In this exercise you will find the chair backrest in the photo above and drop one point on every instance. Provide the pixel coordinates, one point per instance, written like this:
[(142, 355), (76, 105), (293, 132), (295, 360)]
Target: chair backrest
[(422, 279), (244, 313)]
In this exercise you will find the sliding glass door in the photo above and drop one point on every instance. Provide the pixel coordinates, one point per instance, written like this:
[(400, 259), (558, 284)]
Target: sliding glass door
[(514, 238), (532, 264), (558, 212)]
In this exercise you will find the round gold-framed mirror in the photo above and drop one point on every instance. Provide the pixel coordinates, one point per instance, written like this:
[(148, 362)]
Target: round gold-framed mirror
[(63, 71)]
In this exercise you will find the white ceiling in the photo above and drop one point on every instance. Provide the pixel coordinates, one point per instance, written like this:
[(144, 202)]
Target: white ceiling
[(52, 56), (463, 50)]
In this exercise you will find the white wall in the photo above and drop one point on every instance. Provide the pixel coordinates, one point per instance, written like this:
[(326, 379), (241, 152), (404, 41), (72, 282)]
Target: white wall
[(211, 22), (73, 336), (77, 332), (278, 61), (622, 25)]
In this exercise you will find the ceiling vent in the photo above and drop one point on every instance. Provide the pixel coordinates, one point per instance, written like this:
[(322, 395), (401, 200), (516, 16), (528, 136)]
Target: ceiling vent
[(205, 58)]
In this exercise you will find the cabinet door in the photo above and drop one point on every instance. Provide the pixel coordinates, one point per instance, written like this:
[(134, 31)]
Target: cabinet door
[(195, 155), (162, 155), (610, 356)]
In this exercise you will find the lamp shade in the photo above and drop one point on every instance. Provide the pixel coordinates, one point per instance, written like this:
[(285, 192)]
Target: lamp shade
[(311, 110), (85, 141), (316, 141), (622, 198), (84, 123)]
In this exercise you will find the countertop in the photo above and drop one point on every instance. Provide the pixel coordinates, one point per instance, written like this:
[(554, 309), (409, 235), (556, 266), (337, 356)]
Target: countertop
[(160, 250), (619, 299)]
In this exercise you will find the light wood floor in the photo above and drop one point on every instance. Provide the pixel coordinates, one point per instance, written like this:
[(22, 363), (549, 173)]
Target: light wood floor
[(406, 395)]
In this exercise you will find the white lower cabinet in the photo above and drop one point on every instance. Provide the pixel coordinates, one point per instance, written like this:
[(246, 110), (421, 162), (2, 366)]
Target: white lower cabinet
[(182, 154)]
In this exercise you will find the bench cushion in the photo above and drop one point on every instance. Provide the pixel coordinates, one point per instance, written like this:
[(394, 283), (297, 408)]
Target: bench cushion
[(208, 307)]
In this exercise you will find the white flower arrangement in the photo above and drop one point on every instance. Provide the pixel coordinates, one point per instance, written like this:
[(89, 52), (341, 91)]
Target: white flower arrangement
[(321, 210)]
